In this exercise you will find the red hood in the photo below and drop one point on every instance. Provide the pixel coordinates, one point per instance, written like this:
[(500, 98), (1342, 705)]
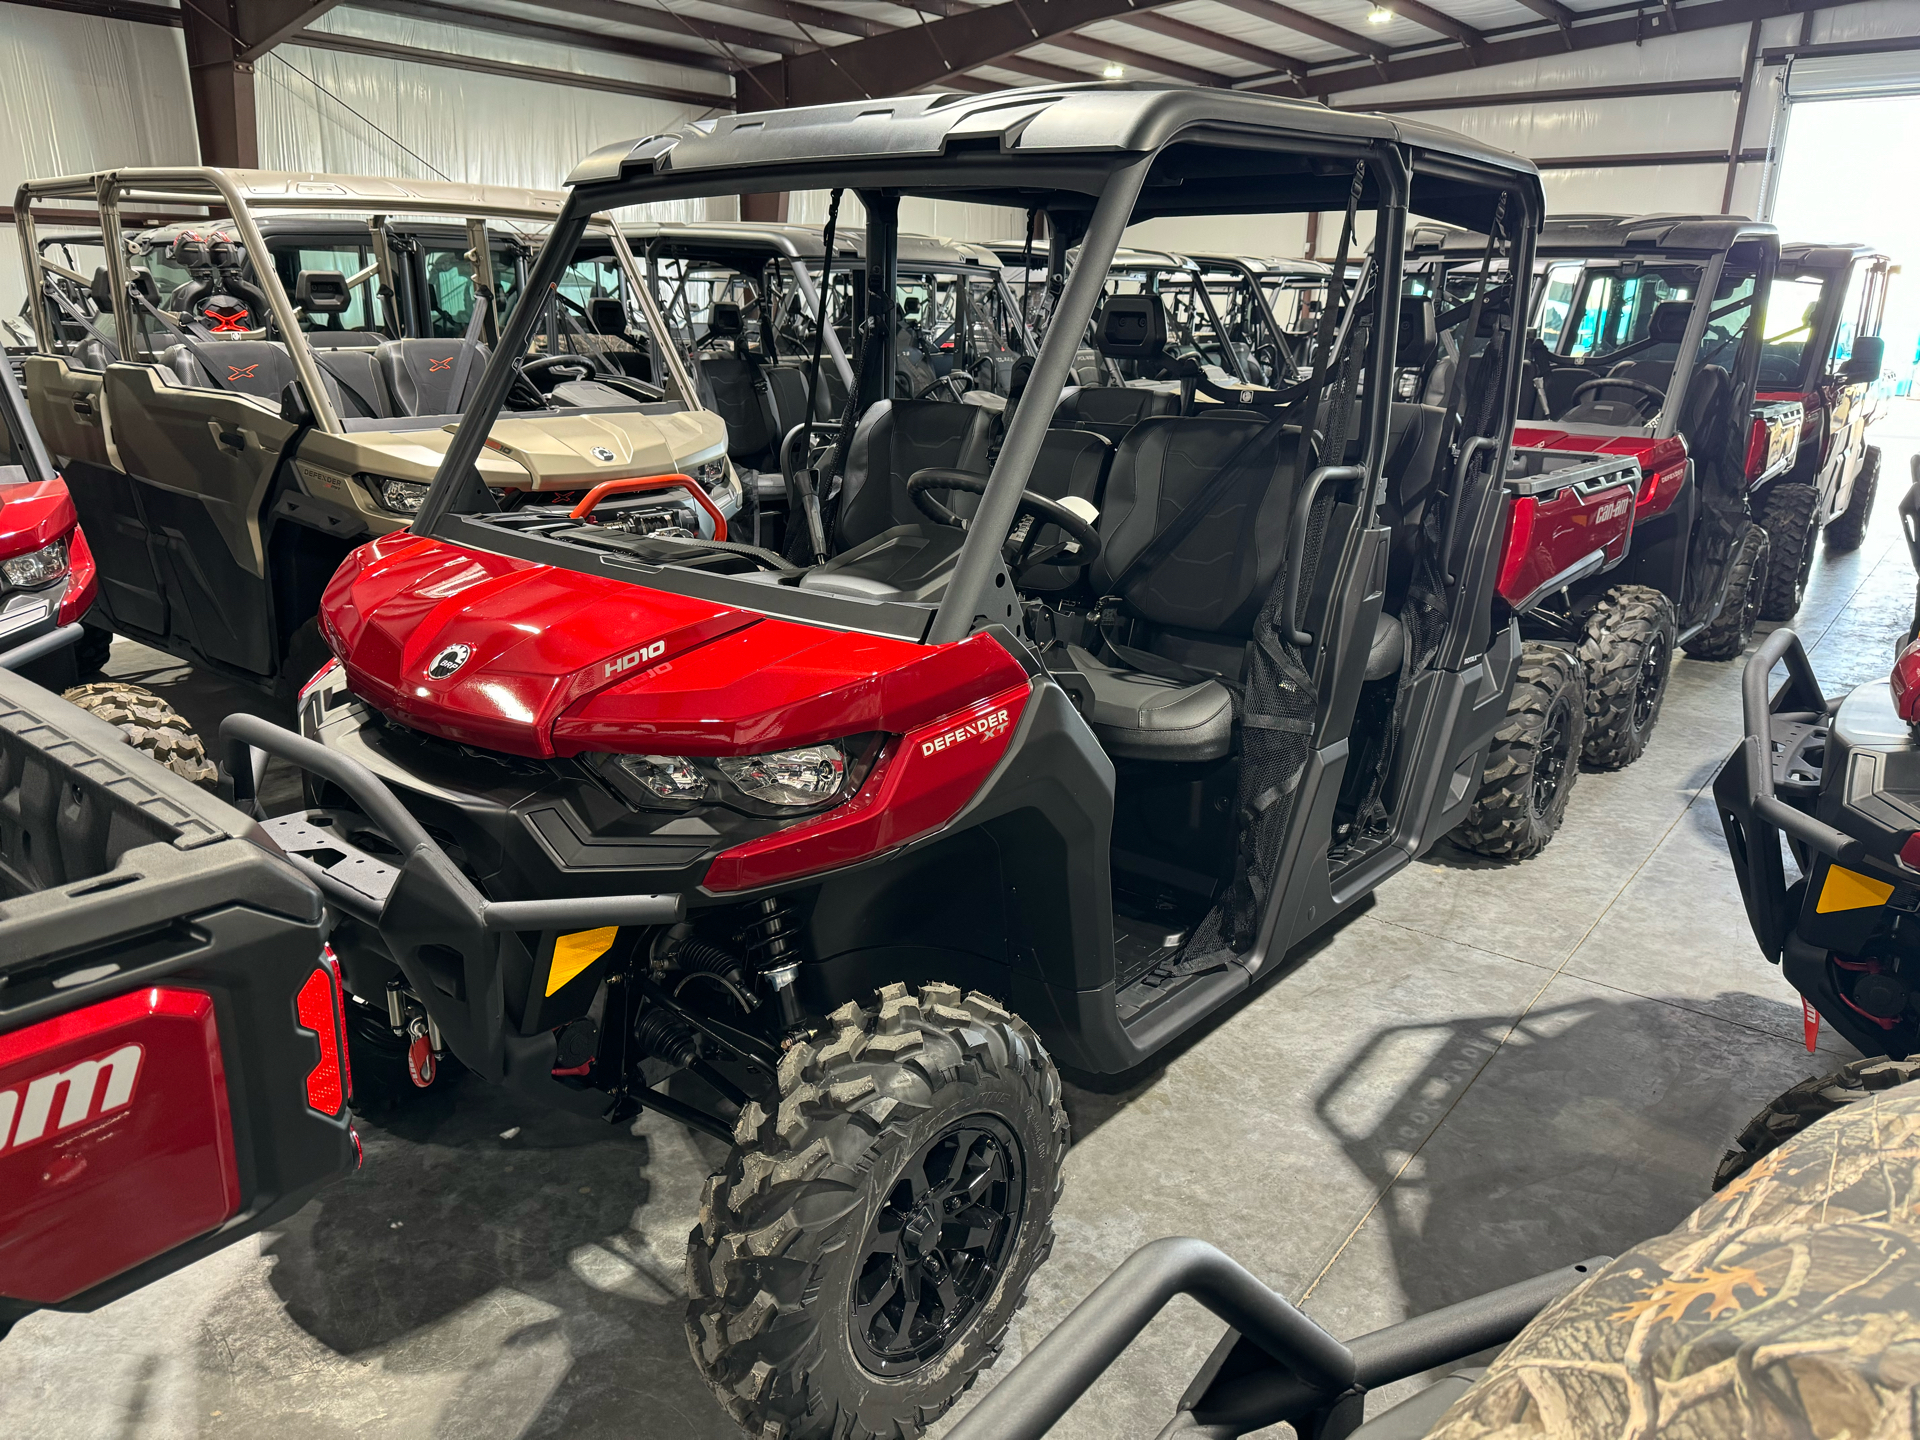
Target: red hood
[(559, 662), (32, 514)]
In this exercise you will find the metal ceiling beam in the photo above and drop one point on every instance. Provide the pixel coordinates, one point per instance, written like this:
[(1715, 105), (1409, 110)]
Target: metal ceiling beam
[(499, 24), (1206, 39), (1551, 10), (916, 56), (1617, 29), (1428, 18), (1299, 20), (1640, 91), (1043, 70), (139, 14), (674, 23), (1138, 60), (357, 45)]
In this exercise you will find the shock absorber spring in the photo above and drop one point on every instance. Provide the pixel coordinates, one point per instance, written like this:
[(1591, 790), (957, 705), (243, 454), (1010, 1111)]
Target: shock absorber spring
[(771, 939)]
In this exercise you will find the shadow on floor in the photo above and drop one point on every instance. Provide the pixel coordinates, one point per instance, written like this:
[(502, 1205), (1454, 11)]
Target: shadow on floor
[(1596, 1124)]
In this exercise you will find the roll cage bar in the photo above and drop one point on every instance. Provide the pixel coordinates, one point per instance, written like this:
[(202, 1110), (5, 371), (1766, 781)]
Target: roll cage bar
[(243, 193), (1099, 158)]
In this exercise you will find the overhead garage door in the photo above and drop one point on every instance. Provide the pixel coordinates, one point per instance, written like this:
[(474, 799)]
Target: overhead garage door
[(1855, 77)]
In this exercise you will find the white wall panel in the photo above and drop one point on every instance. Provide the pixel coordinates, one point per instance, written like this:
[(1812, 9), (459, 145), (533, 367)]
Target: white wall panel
[(327, 110), (80, 94)]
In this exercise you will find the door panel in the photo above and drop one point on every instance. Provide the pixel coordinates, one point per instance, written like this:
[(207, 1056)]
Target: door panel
[(201, 463), (65, 402)]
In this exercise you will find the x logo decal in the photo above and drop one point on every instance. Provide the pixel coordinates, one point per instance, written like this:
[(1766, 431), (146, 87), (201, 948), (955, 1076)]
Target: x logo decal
[(243, 372), (445, 364)]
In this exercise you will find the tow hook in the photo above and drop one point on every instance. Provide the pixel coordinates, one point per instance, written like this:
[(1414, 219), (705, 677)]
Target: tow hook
[(422, 1065)]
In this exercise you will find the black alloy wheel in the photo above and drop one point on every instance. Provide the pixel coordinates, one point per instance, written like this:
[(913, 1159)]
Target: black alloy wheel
[(1650, 684), (1551, 758), (932, 1256)]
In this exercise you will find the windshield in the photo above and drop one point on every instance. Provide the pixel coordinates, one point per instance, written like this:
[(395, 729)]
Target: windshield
[(1613, 308), (450, 285), (1787, 326)]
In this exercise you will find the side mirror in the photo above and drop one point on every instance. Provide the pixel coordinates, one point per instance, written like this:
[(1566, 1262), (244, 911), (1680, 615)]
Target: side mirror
[(322, 292), (294, 408), (1865, 363)]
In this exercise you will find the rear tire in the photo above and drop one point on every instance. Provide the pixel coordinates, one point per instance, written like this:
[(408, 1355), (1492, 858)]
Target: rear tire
[(1792, 519), (1799, 1107), (1848, 529), (1726, 636), (1535, 758), (1628, 655), (920, 1148), (149, 724)]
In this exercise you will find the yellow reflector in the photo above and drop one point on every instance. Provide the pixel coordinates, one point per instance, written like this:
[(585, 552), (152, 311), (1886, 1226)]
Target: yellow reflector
[(1846, 890), (574, 953)]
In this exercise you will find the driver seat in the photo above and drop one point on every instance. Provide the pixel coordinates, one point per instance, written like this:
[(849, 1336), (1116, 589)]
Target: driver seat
[(893, 440), (1194, 612), (1606, 406)]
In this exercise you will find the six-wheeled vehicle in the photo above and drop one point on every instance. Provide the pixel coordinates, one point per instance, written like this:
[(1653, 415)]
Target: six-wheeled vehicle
[(1837, 777), (1629, 531), (1822, 350), (229, 440), (832, 858)]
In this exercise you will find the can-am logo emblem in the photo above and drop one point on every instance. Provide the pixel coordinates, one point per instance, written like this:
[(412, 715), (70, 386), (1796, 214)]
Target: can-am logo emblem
[(61, 1100), (601, 452), (448, 661)]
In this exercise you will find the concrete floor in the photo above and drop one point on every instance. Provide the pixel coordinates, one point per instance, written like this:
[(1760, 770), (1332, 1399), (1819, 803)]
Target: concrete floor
[(1488, 1072)]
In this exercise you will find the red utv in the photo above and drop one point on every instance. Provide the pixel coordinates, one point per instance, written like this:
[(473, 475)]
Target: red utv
[(47, 579), (1639, 447), (831, 859), (1823, 351)]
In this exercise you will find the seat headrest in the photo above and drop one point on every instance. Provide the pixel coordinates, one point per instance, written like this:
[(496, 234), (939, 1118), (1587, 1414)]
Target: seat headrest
[(1415, 344), (1132, 327), (1670, 321), (102, 290), (724, 318), (607, 315), (322, 292)]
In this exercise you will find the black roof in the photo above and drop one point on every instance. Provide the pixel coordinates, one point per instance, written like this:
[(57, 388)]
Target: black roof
[(1808, 255), (1645, 234), (1013, 146)]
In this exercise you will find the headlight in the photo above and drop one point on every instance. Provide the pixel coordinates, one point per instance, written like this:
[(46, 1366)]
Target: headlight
[(803, 777), (672, 778), (807, 778), (402, 497), (36, 567), (709, 473)]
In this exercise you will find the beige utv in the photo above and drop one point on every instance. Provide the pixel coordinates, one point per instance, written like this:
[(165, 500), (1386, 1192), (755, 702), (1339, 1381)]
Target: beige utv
[(265, 370)]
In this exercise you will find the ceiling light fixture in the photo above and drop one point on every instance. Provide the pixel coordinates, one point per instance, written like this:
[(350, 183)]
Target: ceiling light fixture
[(1113, 70), (1379, 15)]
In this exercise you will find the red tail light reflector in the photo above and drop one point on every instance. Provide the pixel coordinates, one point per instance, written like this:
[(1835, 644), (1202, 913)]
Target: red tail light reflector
[(318, 1009), (1911, 851), (1514, 555), (1757, 459)]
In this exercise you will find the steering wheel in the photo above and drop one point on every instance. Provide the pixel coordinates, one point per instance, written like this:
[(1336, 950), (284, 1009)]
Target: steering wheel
[(1018, 549), (957, 381), (563, 366), (1654, 392)]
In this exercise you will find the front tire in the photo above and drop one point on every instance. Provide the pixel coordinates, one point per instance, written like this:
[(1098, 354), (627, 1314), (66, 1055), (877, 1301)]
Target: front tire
[(148, 724), (1535, 757), (1792, 519), (1726, 636), (860, 1259), (1800, 1106), (1628, 655), (1848, 529)]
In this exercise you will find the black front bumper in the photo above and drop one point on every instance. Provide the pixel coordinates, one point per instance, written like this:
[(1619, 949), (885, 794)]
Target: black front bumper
[(1837, 779)]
